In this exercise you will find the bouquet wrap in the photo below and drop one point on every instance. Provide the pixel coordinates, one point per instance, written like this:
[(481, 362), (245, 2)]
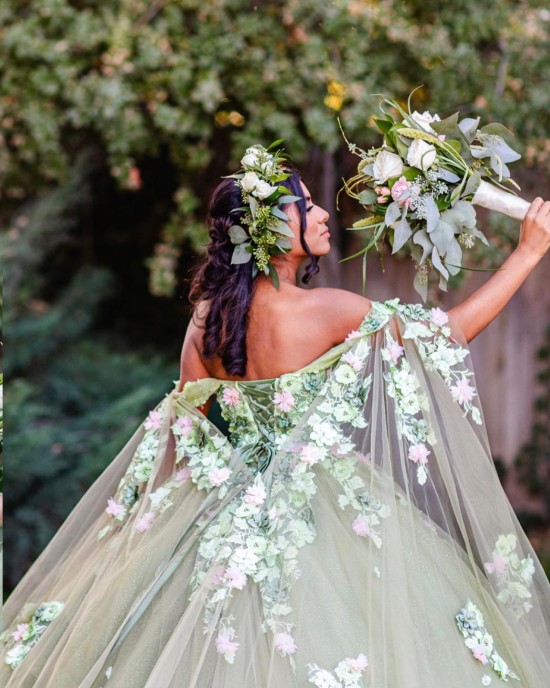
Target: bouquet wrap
[(491, 197)]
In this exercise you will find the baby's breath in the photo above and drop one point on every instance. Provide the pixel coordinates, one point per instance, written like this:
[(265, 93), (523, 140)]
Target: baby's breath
[(466, 239), (422, 274)]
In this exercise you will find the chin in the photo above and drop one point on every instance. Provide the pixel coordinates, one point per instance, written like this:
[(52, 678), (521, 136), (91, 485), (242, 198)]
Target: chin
[(323, 250), (321, 253)]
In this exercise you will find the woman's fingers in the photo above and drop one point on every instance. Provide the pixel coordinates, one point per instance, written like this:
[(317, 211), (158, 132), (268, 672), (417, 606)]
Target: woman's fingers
[(535, 207), (534, 232)]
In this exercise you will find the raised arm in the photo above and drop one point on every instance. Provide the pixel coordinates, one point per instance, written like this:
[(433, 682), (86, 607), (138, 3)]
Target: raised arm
[(482, 307)]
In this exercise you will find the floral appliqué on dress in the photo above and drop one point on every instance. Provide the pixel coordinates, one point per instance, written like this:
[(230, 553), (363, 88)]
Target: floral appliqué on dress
[(347, 674), (28, 634), (477, 639), (513, 575), (432, 335), (249, 540)]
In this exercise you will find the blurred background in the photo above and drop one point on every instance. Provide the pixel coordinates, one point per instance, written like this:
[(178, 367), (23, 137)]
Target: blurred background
[(117, 120)]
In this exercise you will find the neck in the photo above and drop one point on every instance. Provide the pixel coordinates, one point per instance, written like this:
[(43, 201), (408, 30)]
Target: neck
[(287, 268)]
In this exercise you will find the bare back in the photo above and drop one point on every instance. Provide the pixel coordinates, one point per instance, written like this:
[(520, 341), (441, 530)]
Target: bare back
[(288, 329)]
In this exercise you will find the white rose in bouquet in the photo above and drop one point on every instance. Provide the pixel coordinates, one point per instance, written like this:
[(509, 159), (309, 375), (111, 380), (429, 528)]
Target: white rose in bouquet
[(421, 155), (425, 119), (387, 165), (250, 181), (263, 190)]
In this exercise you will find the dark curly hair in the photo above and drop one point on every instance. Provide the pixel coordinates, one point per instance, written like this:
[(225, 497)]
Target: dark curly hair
[(228, 288)]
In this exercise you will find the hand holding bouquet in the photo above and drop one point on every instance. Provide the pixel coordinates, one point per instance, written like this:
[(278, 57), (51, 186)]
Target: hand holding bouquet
[(419, 186)]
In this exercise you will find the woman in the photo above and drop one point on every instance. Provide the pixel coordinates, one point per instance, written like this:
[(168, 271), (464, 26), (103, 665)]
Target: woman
[(314, 504)]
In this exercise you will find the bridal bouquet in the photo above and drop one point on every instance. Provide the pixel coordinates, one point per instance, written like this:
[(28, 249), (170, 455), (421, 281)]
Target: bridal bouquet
[(419, 187)]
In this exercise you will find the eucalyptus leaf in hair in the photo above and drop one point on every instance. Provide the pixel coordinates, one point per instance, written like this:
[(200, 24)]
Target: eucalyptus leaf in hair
[(241, 254), (237, 234)]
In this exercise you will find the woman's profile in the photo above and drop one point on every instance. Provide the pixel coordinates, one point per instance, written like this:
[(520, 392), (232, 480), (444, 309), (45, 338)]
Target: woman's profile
[(314, 503)]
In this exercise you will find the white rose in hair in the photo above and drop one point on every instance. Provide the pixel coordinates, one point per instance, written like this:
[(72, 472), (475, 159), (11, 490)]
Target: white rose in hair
[(425, 119), (268, 167), (387, 165), (421, 155), (251, 158), (263, 190), (250, 181)]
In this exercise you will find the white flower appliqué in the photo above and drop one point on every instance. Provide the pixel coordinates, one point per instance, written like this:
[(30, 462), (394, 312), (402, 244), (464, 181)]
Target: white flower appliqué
[(347, 674)]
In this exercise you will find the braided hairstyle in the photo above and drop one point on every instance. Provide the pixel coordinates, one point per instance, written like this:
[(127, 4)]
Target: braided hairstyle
[(228, 288)]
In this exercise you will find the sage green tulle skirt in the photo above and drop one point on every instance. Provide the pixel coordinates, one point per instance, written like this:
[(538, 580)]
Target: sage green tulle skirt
[(350, 530)]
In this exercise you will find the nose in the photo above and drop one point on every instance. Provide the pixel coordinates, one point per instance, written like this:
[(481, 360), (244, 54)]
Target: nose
[(325, 216)]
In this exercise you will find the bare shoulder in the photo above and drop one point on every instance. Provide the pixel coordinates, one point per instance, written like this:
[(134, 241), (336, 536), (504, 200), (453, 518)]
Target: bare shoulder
[(340, 310)]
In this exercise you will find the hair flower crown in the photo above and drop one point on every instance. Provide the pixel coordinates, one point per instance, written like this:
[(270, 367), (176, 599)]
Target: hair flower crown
[(264, 231)]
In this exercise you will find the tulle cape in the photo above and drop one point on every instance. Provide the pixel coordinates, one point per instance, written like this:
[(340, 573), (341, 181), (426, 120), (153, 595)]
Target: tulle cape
[(370, 544)]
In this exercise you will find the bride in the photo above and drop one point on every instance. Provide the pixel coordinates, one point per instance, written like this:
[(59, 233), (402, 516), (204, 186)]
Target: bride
[(313, 504)]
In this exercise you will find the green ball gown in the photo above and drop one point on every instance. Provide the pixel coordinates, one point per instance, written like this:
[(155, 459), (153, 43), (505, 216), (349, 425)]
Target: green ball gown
[(342, 525)]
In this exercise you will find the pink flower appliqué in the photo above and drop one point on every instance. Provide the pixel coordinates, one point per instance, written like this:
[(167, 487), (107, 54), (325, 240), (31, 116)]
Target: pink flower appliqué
[(497, 565), (310, 454), (438, 317), (359, 663), (224, 644), (153, 421), (19, 633), (395, 351), (255, 494), (230, 396), (184, 423), (284, 401), (419, 454), (235, 577), (462, 391), (218, 575), (354, 334), (217, 476), (285, 644), (145, 522), (478, 652), (354, 361), (361, 526), (365, 458), (114, 509), (183, 474)]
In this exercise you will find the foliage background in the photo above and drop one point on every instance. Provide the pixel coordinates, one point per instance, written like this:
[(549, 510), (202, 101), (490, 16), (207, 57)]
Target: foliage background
[(117, 119)]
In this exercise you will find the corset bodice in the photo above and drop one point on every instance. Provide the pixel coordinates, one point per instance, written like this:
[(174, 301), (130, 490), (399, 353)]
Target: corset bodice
[(261, 413)]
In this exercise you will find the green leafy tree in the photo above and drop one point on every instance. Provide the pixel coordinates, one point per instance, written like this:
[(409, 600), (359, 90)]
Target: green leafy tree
[(193, 83), (77, 391)]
